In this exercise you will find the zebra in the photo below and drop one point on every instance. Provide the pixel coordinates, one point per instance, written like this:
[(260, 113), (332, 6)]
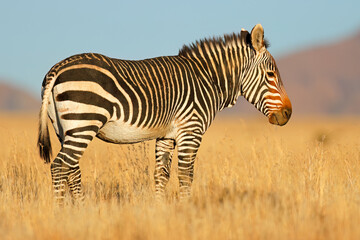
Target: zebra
[(172, 99)]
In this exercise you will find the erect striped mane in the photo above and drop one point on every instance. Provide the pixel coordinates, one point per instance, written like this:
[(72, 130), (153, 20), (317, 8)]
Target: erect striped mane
[(227, 41)]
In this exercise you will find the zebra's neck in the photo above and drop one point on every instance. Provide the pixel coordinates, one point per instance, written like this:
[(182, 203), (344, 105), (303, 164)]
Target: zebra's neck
[(222, 61)]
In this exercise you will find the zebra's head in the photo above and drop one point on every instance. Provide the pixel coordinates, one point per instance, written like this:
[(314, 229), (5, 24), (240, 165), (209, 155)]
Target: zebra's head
[(261, 82)]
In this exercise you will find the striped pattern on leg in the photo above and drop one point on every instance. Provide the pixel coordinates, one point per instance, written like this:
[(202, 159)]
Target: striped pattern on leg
[(65, 168), (188, 146), (164, 151)]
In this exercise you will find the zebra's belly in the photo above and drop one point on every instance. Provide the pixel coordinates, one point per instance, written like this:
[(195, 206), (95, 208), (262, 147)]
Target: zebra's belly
[(120, 132)]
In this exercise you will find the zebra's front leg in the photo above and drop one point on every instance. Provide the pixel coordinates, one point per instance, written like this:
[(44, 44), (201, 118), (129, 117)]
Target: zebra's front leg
[(188, 146), (164, 151)]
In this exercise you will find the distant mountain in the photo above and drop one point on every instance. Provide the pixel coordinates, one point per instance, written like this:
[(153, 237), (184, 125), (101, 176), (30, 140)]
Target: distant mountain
[(324, 79), (15, 99)]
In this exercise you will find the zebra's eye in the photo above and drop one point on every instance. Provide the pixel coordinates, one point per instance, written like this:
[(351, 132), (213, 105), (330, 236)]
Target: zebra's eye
[(270, 74)]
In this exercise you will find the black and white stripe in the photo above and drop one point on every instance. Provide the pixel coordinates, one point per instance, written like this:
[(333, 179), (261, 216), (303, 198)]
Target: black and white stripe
[(172, 99)]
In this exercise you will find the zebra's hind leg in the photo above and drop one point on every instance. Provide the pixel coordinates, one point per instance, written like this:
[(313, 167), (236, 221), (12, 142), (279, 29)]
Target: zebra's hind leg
[(164, 151), (65, 168)]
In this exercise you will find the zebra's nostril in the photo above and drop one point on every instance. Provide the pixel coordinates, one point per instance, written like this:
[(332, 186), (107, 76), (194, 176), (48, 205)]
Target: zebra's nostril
[(286, 113)]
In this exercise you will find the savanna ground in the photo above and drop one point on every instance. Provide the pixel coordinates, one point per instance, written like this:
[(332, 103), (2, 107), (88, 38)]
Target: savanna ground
[(252, 181)]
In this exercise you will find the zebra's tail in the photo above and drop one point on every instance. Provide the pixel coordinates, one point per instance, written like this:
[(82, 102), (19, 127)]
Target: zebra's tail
[(44, 142)]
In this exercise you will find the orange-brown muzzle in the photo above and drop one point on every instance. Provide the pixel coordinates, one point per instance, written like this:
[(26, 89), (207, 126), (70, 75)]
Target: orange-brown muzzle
[(281, 116)]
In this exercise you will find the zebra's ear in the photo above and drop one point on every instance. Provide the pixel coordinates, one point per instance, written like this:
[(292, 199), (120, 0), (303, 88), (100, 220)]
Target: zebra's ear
[(257, 37)]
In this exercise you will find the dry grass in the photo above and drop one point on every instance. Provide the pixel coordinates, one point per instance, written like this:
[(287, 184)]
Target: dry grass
[(252, 181)]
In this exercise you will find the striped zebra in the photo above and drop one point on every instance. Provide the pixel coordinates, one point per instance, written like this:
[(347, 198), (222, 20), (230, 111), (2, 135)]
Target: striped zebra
[(172, 99)]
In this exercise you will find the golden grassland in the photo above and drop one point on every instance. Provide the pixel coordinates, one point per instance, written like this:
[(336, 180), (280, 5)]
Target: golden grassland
[(252, 181)]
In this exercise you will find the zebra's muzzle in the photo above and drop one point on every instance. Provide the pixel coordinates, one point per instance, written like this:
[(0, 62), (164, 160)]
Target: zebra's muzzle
[(280, 117)]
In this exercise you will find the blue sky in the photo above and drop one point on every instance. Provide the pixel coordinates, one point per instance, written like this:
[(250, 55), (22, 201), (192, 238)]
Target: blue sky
[(37, 34)]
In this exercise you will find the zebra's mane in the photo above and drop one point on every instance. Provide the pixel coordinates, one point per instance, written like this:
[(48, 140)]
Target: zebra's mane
[(228, 40)]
